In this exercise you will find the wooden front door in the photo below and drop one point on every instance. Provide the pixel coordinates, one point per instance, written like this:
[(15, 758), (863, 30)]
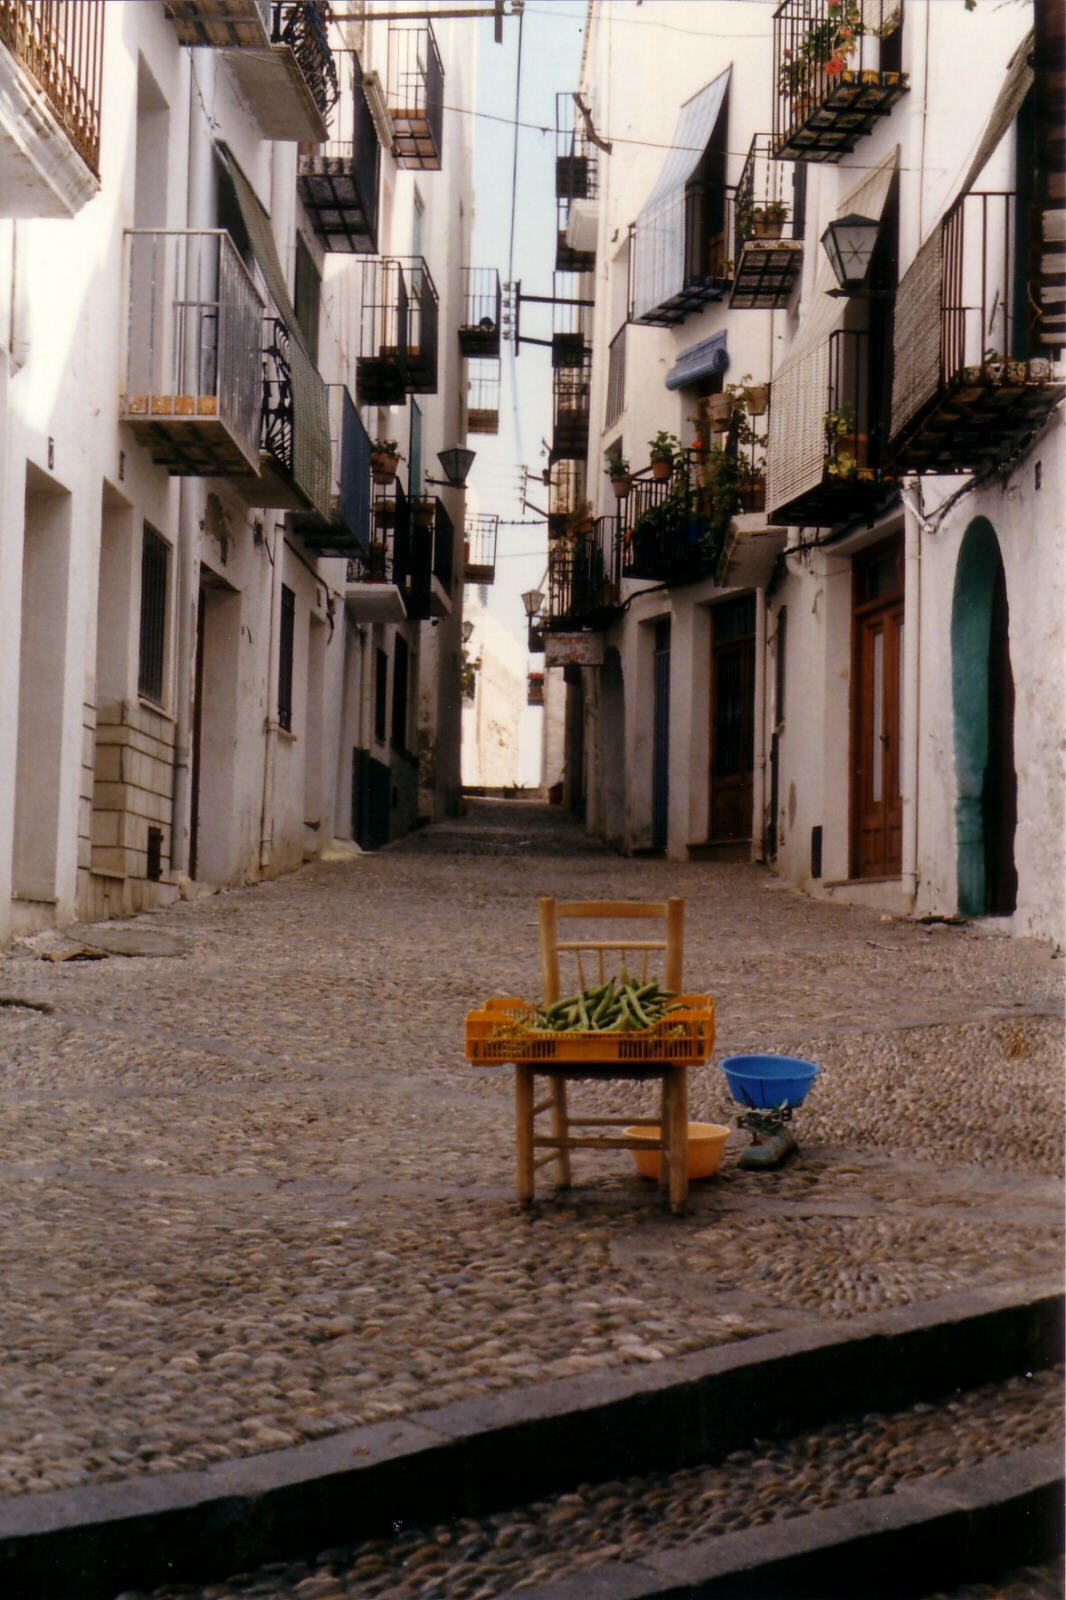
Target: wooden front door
[(732, 719), (877, 803)]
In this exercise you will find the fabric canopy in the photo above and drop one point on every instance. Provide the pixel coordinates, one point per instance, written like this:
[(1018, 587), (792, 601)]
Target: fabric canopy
[(659, 256), (311, 455)]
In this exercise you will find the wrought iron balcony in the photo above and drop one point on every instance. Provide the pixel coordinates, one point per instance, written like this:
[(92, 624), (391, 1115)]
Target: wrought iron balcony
[(193, 392), (429, 591), (479, 331), (338, 182), (278, 53), (680, 261), (381, 365), (767, 234), (480, 535), (49, 169), (674, 528), (576, 189), (971, 382), (825, 462), (836, 72), (571, 387), (346, 531), (584, 574), (415, 96), (483, 397), (378, 581), (565, 494)]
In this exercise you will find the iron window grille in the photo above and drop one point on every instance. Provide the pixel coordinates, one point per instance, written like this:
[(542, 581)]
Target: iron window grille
[(155, 569)]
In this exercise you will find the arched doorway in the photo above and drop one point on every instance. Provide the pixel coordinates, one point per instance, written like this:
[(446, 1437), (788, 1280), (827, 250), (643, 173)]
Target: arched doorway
[(986, 806)]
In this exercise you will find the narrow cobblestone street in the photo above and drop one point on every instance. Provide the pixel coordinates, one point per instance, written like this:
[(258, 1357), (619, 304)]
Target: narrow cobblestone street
[(253, 1196)]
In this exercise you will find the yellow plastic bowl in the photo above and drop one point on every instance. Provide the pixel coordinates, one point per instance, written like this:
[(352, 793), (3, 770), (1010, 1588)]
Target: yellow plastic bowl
[(706, 1143)]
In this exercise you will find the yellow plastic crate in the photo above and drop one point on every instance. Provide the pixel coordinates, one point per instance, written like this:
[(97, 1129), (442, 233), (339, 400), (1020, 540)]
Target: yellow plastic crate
[(499, 1032)]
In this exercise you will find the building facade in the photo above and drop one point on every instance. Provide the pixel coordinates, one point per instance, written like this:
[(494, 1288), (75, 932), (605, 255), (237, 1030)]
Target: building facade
[(826, 575), (236, 239)]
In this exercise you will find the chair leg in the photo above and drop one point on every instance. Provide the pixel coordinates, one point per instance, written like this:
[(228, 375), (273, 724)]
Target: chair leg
[(560, 1129), (677, 1092), (523, 1082), (664, 1135)]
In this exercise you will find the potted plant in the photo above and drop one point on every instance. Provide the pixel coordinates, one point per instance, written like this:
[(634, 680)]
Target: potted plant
[(618, 472), (579, 522), (845, 447), (384, 460), (765, 221), (423, 510), (719, 409), (663, 450)]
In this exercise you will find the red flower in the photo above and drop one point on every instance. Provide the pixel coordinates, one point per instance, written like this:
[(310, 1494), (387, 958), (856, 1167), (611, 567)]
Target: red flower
[(847, 33), (834, 66)]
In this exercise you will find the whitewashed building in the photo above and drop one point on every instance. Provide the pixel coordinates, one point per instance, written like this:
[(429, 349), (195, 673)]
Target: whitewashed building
[(219, 648), (831, 633)]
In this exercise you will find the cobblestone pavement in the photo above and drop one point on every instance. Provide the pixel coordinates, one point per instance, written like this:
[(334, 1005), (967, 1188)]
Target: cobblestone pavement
[(254, 1196)]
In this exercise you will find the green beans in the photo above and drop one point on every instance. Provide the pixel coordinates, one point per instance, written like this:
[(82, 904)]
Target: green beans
[(619, 1006)]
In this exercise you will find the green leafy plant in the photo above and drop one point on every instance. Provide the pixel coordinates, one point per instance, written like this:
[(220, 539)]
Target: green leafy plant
[(617, 464), (664, 447), (385, 447), (840, 430), (826, 48)]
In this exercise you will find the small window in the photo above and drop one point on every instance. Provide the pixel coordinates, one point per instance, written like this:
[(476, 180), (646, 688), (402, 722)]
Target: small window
[(155, 567), (285, 644), (399, 693), (308, 296)]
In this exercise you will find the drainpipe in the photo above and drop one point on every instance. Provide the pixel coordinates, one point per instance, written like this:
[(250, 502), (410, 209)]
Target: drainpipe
[(199, 209), (915, 526), (270, 723), (758, 777)]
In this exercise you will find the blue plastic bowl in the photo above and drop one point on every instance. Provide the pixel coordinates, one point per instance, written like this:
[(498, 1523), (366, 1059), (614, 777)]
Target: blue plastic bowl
[(769, 1080)]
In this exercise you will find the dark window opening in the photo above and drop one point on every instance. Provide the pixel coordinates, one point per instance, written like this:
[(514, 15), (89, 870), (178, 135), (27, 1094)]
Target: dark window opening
[(155, 562), (381, 694), (399, 693), (779, 667), (228, 211), (285, 653), (154, 862)]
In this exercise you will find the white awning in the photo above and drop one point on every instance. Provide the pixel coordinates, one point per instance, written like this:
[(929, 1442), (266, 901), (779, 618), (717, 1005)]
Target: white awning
[(659, 256)]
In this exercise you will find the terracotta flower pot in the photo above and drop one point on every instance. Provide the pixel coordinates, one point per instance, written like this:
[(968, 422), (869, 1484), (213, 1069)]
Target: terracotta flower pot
[(621, 484), (660, 469), (383, 467)]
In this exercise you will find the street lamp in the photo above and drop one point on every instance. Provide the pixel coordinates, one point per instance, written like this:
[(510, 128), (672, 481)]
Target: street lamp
[(849, 243), (467, 630), (455, 464), (532, 600)]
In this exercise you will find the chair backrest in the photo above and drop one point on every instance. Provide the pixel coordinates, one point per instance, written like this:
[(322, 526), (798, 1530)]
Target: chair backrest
[(671, 941)]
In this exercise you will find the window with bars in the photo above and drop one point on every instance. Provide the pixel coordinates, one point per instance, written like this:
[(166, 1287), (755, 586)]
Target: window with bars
[(285, 652), (155, 569)]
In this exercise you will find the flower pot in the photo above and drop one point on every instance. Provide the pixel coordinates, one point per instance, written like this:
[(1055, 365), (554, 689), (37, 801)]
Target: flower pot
[(766, 227), (383, 467), (660, 469), (757, 398), (621, 484), (423, 513), (720, 412)]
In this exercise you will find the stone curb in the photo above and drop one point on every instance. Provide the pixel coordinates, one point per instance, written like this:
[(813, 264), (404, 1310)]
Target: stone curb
[(485, 1454), (935, 1533)]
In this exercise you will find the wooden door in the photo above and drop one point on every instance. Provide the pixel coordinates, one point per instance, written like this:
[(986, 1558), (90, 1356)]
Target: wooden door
[(732, 719), (196, 752), (877, 802)]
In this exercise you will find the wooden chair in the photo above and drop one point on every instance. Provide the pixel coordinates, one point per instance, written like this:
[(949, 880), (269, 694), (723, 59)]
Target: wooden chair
[(595, 953)]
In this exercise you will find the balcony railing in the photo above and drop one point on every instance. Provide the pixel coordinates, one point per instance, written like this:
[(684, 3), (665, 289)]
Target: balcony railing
[(967, 391), (415, 95), (836, 72), (565, 481), (767, 233), (193, 374), (346, 531), (338, 182), (576, 186), (61, 47), (381, 365), (378, 580), (675, 528), (826, 451), (571, 388), (584, 573), (479, 331), (480, 535), (483, 397)]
